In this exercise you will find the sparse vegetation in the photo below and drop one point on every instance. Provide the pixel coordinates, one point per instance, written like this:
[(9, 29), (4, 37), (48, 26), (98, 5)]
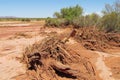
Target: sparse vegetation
[(55, 22), (73, 16), (110, 21), (65, 16), (21, 19), (69, 13), (86, 21), (111, 18)]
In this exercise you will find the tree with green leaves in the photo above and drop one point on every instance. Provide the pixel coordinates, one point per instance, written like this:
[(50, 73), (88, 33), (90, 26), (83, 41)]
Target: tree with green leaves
[(69, 13)]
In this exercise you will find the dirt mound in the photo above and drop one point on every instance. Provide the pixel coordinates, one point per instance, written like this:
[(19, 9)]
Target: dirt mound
[(50, 60), (93, 39)]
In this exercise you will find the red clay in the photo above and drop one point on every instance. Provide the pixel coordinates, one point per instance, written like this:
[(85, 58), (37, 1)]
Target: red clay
[(11, 30)]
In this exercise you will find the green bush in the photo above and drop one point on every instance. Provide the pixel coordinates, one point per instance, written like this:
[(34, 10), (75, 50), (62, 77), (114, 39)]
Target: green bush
[(111, 19), (65, 17), (69, 13), (55, 22), (86, 21), (109, 22), (78, 22)]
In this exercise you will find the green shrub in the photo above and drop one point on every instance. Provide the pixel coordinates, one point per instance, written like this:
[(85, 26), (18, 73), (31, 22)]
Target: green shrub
[(69, 13), (86, 21), (73, 16), (55, 22), (78, 22), (109, 22), (111, 19)]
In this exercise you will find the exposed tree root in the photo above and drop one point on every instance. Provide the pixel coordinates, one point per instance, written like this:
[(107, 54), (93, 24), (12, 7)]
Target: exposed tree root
[(49, 60), (93, 39)]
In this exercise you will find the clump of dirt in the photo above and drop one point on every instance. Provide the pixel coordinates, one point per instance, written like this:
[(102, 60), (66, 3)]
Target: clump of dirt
[(93, 39), (50, 60)]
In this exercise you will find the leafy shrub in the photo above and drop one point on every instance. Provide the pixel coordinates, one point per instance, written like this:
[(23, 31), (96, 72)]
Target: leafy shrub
[(86, 21), (109, 22), (78, 22), (55, 22), (69, 13), (111, 19)]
